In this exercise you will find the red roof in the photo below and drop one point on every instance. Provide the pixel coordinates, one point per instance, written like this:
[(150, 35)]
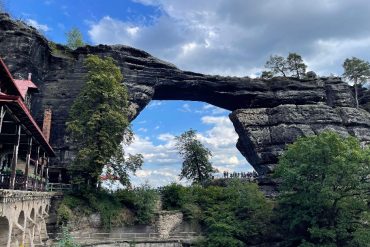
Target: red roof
[(23, 86), (9, 79)]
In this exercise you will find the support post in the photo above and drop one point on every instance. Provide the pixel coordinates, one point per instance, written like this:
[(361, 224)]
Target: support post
[(37, 166), (43, 159), (2, 114), (15, 157), (47, 171), (28, 160)]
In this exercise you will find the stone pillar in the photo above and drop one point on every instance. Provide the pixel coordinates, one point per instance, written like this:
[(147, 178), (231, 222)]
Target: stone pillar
[(46, 126), (10, 233)]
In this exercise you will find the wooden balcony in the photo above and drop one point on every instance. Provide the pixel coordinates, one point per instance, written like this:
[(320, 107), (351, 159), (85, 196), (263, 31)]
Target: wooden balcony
[(34, 184)]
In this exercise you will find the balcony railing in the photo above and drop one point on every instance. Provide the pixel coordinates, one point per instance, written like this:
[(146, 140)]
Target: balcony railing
[(35, 184)]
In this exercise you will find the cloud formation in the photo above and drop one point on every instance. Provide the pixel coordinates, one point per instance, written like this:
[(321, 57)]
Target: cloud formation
[(236, 37), (38, 26), (163, 163)]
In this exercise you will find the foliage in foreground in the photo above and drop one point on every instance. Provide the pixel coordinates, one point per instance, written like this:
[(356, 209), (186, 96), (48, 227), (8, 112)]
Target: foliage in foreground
[(235, 215), (99, 125), (66, 239), (325, 188), (140, 201)]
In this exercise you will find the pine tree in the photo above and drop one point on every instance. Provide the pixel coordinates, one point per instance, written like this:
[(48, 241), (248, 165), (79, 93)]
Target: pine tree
[(357, 71), (196, 164)]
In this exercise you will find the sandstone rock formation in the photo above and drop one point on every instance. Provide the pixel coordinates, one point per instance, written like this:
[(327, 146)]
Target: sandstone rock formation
[(267, 114)]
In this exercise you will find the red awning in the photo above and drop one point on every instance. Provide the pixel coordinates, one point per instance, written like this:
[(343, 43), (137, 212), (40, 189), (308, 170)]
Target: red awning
[(24, 85), (10, 83)]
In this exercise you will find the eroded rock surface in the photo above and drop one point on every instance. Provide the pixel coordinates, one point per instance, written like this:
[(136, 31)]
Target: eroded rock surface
[(267, 114)]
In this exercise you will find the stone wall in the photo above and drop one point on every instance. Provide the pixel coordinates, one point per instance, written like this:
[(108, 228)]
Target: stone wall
[(167, 221)]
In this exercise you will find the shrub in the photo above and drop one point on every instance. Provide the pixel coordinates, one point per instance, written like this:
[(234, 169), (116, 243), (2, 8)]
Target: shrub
[(66, 240), (174, 196), (141, 200)]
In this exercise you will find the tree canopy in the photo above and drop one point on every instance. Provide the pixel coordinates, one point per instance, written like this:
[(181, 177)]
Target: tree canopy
[(324, 192), (292, 65), (196, 165), (75, 39), (99, 125), (357, 71)]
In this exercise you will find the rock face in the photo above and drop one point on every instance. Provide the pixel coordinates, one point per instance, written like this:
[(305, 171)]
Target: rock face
[(267, 114)]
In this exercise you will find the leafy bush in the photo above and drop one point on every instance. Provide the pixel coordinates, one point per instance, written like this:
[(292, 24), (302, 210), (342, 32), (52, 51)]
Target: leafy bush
[(174, 196), (66, 240), (234, 215), (141, 200), (64, 214)]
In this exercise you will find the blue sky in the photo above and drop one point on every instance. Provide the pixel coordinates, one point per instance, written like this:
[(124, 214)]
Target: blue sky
[(225, 37)]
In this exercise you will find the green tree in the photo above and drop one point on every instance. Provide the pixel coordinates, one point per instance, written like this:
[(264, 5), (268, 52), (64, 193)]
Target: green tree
[(292, 65), (266, 75), (324, 198), (99, 126), (296, 65), (277, 65), (196, 164), (74, 39), (357, 71)]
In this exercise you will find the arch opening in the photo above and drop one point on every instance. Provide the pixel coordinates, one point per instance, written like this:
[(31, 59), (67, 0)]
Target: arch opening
[(21, 218), (32, 214), (160, 122), (4, 231)]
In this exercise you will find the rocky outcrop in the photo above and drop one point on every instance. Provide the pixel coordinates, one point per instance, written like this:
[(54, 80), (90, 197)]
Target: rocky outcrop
[(267, 114)]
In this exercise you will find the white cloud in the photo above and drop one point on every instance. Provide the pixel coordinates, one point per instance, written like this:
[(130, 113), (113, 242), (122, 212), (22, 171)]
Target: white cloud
[(163, 163), (236, 37), (185, 108), (38, 26)]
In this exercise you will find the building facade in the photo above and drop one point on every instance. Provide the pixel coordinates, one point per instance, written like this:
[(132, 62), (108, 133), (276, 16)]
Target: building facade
[(24, 147)]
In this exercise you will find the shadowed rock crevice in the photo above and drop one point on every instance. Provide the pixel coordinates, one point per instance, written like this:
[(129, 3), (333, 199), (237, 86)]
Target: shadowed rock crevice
[(267, 114)]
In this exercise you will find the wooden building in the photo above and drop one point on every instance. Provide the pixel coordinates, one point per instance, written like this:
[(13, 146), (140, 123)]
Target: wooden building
[(24, 147)]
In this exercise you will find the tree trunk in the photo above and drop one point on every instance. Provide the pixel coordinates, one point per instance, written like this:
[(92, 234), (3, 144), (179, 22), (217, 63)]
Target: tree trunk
[(356, 93)]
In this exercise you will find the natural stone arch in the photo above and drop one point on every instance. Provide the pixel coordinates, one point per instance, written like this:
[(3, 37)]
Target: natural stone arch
[(4, 231), (267, 114)]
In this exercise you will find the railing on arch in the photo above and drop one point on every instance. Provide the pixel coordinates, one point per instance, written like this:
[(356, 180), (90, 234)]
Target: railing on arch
[(59, 187), (128, 236)]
